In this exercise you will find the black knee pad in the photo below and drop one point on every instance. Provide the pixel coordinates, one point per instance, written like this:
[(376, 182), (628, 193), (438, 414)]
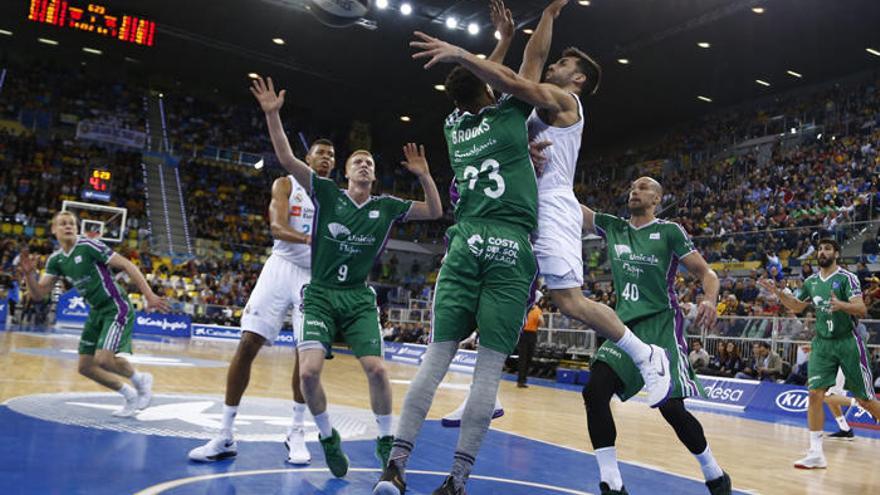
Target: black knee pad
[(602, 385)]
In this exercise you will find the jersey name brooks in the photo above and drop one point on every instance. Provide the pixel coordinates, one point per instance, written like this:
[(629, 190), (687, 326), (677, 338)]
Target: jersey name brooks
[(562, 155), (301, 214)]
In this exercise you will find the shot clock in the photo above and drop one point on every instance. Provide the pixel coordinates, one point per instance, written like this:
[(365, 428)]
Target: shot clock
[(98, 184)]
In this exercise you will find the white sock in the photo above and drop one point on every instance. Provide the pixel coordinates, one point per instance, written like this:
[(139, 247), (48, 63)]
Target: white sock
[(632, 345), (841, 422), (299, 413), (128, 391), (323, 422), (384, 423), (136, 378), (498, 403), (229, 413), (816, 441), (711, 469), (609, 472)]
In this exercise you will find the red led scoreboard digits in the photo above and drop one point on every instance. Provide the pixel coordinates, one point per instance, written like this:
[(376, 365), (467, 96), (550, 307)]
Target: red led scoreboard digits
[(93, 17)]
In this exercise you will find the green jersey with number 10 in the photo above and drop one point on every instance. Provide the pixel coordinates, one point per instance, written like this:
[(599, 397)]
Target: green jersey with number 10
[(643, 263), (489, 153), (843, 285), (347, 238)]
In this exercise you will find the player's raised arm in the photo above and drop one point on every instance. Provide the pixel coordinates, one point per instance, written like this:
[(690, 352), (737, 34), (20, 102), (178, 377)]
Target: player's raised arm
[(154, 302), (502, 19), (538, 47), (501, 78), (417, 163), (38, 288), (787, 300), (279, 216), (271, 103), (696, 264)]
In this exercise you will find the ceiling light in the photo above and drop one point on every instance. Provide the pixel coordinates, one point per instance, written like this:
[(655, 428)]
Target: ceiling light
[(819, 136), (872, 51), (473, 28), (704, 98), (585, 3), (451, 22), (794, 74), (381, 4), (762, 82), (278, 41), (793, 130), (704, 44), (253, 75), (623, 61), (528, 31), (7, 33), (758, 10), (481, 56), (47, 41), (440, 87), (405, 9), (405, 118), (259, 164), (497, 35), (92, 50)]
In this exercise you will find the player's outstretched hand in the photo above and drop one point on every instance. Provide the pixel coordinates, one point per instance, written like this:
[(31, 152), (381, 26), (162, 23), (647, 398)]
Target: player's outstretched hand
[(25, 262), (156, 303), (415, 159), (264, 92), (555, 7), (707, 314), (536, 151), (435, 50), (502, 19)]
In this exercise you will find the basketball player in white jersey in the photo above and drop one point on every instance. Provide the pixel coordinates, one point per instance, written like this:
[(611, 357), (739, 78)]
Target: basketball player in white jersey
[(278, 288), (557, 135)]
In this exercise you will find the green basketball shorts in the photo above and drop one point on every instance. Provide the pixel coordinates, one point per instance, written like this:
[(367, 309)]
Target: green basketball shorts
[(848, 353), (108, 328), (349, 312), (665, 329), (487, 282)]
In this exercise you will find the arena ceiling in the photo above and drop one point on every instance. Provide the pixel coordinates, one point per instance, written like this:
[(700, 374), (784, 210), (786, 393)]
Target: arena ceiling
[(369, 73)]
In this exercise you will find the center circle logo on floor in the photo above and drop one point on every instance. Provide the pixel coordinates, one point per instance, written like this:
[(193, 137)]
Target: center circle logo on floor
[(259, 419), (795, 401)]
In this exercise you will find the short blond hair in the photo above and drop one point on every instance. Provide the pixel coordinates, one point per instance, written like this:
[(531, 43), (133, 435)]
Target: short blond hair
[(62, 213), (357, 152)]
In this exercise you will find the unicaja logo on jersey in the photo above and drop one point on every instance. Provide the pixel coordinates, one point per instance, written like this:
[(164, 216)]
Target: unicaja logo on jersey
[(622, 249), (475, 244), (337, 229)]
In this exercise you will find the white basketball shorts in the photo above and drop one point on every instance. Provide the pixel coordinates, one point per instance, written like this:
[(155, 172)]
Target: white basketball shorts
[(278, 290), (558, 245)]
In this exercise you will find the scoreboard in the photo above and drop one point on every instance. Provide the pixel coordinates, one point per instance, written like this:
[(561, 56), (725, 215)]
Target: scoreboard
[(97, 185), (93, 18)]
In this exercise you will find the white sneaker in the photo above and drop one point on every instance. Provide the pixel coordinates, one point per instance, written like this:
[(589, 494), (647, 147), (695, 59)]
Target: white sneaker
[(129, 409), (297, 452), (657, 376), (813, 460), (453, 419), (145, 391), (218, 448)]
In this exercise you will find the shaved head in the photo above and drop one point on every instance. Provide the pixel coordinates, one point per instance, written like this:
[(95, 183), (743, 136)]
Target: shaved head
[(653, 183), (645, 195)]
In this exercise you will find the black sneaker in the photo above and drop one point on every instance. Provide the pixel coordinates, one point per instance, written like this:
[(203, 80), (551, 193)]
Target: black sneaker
[(843, 435), (391, 482), (720, 486), (604, 489), (448, 488)]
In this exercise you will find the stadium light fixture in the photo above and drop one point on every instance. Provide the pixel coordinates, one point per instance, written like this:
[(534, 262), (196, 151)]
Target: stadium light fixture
[(92, 51), (259, 164), (47, 41), (794, 74), (704, 98), (704, 44), (819, 136), (481, 56), (758, 10), (278, 41), (793, 130), (497, 34), (451, 22), (762, 82), (873, 51), (405, 118), (406, 9), (528, 31), (381, 4), (253, 75), (440, 87), (623, 61), (474, 28), (584, 3), (5, 32)]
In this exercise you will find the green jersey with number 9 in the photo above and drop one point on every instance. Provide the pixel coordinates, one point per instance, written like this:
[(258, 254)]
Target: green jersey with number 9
[(347, 238), (644, 261), (489, 153)]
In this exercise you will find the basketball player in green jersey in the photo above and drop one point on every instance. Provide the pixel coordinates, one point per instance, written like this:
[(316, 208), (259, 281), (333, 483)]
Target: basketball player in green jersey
[(350, 231), (86, 263), (645, 253), (836, 296)]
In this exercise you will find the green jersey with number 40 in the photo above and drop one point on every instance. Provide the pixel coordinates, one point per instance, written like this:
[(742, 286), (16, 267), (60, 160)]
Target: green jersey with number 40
[(489, 153), (844, 285), (643, 263), (348, 237)]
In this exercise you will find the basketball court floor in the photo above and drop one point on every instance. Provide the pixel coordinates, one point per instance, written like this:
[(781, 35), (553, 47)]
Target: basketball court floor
[(57, 434)]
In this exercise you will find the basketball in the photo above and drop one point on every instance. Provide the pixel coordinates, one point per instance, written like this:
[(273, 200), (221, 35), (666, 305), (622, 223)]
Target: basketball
[(339, 13)]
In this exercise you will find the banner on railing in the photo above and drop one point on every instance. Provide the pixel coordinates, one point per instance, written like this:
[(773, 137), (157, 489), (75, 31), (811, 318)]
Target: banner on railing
[(110, 134), (168, 325), (730, 392), (223, 332), (4, 311), (72, 310)]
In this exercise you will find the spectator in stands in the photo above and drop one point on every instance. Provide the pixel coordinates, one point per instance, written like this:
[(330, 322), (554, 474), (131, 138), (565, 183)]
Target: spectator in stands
[(729, 361), (527, 340), (798, 375), (766, 364), (698, 356)]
